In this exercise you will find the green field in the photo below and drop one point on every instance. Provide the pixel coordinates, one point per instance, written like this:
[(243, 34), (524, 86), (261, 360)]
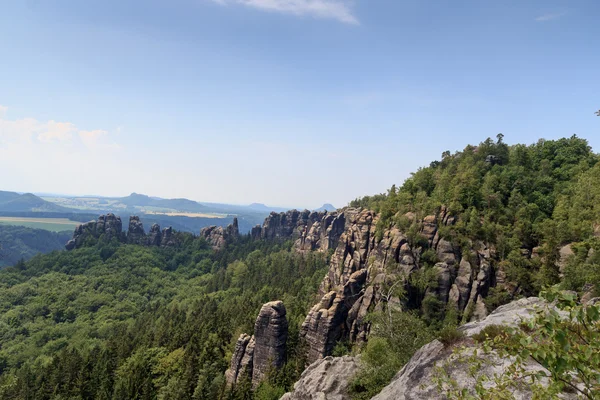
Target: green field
[(49, 224)]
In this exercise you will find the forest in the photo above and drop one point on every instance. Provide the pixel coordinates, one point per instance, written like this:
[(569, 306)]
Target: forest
[(18, 242)]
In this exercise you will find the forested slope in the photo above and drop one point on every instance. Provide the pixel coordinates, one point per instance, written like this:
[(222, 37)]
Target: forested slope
[(117, 321), (18, 242)]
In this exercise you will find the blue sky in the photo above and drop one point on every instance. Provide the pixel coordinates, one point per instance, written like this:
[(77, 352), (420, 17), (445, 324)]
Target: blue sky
[(285, 102)]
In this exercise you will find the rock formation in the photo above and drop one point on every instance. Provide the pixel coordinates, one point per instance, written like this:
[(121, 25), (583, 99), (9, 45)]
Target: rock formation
[(367, 258), (135, 233), (310, 230), (254, 356), (218, 237), (328, 378), (109, 226)]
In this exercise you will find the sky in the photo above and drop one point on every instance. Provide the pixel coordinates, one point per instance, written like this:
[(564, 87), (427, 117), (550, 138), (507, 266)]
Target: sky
[(283, 102)]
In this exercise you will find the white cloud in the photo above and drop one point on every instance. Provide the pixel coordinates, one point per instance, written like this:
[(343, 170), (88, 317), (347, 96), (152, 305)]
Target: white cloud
[(549, 16), (37, 133), (3, 110), (331, 9), (61, 131)]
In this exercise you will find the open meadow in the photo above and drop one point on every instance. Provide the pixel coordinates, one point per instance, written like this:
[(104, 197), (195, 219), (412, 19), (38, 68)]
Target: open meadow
[(49, 224)]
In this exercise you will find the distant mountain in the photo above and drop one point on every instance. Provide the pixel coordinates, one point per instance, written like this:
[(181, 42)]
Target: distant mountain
[(14, 202), (327, 207), (7, 196), (141, 200)]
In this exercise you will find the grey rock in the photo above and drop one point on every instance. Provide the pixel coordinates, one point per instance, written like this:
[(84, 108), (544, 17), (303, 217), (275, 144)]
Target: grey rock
[(218, 237), (254, 356), (415, 381), (154, 236), (325, 379), (270, 335)]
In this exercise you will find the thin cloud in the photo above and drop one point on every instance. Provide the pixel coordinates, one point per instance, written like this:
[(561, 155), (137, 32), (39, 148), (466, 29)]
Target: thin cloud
[(3, 110), (549, 17), (327, 9), (60, 131), (25, 131)]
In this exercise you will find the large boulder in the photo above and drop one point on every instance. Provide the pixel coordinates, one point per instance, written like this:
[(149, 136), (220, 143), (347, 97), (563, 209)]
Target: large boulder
[(416, 380)]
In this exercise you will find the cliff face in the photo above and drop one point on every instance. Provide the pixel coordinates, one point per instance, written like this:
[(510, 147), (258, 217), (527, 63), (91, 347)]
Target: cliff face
[(310, 230), (364, 265)]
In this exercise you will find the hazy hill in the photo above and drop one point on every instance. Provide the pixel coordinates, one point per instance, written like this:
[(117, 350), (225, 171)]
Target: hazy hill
[(327, 207), (14, 202)]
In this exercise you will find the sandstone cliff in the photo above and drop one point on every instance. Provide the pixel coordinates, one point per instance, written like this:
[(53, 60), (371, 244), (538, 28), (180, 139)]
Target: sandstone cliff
[(366, 261)]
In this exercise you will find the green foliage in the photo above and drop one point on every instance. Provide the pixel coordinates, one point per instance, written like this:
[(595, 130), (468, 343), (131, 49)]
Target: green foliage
[(510, 197), (18, 242), (395, 336), (450, 335), (116, 321)]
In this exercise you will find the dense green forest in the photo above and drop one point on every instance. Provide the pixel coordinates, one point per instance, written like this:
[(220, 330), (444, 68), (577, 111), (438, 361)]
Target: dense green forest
[(117, 321), (18, 242), (514, 199)]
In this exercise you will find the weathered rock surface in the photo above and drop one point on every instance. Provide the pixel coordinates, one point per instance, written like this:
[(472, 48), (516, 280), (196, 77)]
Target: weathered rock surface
[(255, 355), (415, 381), (362, 265), (270, 335), (310, 230), (154, 236), (218, 237), (325, 379), (241, 360)]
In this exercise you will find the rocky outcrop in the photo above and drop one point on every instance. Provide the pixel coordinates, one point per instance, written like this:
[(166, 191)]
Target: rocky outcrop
[(154, 236), (218, 237), (242, 360), (254, 356), (270, 335), (310, 230), (416, 380), (366, 263), (109, 226), (328, 379)]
